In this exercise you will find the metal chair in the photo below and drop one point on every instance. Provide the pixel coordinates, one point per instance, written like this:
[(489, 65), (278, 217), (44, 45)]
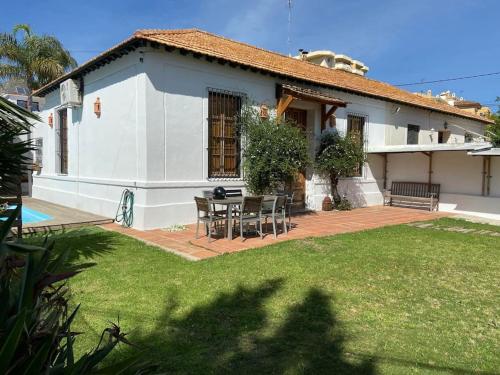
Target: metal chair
[(289, 204), (206, 214), (277, 210), (251, 212)]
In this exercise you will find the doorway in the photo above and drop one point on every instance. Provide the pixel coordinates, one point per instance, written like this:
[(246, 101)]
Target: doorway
[(298, 185)]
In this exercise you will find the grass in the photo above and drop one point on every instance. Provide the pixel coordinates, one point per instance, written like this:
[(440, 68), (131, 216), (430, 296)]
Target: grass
[(387, 301)]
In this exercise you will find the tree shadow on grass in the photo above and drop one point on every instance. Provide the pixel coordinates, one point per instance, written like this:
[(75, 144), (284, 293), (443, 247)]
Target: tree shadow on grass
[(83, 245), (229, 335)]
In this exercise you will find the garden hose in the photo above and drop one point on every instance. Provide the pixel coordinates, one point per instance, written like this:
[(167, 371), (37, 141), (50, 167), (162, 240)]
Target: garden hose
[(126, 217)]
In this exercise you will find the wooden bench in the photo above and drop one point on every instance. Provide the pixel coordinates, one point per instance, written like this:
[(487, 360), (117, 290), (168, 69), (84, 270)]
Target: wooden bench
[(413, 194)]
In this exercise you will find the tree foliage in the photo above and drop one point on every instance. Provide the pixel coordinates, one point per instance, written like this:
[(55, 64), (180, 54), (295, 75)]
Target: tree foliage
[(14, 144), (338, 156), (36, 59), (275, 151), (493, 130), (35, 317)]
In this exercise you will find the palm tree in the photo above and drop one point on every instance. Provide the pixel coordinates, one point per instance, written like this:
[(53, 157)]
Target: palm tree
[(36, 59)]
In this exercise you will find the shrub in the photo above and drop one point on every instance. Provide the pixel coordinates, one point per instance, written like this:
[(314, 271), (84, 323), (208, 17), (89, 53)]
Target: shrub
[(344, 205), (35, 318), (337, 157), (274, 152)]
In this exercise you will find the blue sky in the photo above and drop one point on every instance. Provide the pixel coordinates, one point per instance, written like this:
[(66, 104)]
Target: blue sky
[(401, 41)]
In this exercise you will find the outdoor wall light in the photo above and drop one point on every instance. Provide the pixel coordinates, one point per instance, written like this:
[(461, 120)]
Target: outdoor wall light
[(97, 107), (264, 111), (445, 125), (51, 120)]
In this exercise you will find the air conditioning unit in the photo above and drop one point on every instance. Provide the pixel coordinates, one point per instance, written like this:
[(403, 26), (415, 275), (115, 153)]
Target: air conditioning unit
[(70, 93)]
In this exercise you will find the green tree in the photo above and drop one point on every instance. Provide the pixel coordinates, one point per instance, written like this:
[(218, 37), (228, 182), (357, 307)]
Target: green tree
[(275, 151), (493, 130), (338, 156), (36, 59)]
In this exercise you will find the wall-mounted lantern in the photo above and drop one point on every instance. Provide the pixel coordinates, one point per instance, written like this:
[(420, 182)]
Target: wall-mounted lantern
[(97, 107), (51, 120), (264, 111)]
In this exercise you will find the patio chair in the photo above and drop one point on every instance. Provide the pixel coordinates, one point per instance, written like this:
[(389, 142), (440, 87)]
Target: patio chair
[(277, 210), (206, 214), (289, 204), (251, 212)]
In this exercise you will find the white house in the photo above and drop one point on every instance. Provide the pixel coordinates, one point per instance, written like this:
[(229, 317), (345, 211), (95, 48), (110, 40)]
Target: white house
[(155, 113)]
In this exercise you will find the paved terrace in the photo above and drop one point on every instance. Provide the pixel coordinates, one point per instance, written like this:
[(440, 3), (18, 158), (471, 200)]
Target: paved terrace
[(62, 217), (314, 224)]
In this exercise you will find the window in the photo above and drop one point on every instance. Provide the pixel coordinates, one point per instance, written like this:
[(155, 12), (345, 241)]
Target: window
[(443, 136), (62, 141), (24, 103), (38, 143), (224, 109), (468, 137), (412, 136), (356, 129)]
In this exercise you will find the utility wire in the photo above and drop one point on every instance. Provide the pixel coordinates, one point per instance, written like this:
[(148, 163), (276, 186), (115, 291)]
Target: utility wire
[(448, 79)]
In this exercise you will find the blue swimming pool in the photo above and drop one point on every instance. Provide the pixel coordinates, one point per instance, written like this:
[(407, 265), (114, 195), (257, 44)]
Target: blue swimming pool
[(31, 216)]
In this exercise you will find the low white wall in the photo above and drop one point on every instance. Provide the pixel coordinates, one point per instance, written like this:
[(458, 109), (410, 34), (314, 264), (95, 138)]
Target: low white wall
[(487, 207), (157, 205)]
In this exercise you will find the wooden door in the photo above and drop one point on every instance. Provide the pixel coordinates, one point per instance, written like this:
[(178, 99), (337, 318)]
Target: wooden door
[(298, 186)]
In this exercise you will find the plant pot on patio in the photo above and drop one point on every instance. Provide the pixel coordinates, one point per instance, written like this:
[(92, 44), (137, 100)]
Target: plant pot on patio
[(327, 204)]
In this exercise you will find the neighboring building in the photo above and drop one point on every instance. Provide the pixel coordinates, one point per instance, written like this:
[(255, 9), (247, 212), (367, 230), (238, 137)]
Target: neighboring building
[(332, 60), (156, 114), (17, 93), (452, 99)]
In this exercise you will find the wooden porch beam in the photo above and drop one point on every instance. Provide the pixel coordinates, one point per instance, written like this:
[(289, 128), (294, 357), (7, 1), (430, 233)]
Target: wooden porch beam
[(283, 103), (385, 170), (430, 171), (325, 115), (488, 176), (483, 177)]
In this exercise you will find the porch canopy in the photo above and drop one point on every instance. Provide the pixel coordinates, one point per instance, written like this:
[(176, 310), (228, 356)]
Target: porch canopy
[(473, 149), (286, 94)]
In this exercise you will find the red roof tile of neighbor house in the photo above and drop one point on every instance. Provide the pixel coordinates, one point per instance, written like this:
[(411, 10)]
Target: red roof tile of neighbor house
[(204, 43)]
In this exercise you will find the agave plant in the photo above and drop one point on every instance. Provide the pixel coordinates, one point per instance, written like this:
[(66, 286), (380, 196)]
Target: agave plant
[(35, 317)]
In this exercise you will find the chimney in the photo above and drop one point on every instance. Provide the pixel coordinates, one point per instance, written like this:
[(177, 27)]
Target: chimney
[(303, 53)]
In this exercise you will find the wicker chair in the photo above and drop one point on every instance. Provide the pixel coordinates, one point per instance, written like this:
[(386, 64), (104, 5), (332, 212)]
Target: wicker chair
[(251, 212), (206, 214), (277, 210)]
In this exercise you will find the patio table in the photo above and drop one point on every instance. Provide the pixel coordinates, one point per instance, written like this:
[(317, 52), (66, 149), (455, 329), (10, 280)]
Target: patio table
[(230, 202)]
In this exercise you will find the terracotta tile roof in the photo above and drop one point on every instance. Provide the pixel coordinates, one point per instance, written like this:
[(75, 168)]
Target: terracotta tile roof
[(467, 104), (208, 44)]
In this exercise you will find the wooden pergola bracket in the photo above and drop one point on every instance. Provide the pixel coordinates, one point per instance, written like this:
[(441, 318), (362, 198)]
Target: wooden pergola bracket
[(283, 103), (325, 115)]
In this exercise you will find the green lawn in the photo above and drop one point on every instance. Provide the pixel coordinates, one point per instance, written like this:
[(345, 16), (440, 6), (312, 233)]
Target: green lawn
[(396, 300)]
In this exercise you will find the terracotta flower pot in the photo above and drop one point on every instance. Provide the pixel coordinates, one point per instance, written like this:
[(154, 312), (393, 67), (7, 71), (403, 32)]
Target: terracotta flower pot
[(327, 204)]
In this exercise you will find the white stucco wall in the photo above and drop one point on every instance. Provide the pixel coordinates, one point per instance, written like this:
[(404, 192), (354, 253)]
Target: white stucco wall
[(152, 137)]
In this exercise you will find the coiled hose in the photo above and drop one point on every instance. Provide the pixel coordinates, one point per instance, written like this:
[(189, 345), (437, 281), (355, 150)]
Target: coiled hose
[(126, 217)]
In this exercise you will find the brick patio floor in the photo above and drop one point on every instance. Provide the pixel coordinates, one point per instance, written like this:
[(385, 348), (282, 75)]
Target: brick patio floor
[(313, 224)]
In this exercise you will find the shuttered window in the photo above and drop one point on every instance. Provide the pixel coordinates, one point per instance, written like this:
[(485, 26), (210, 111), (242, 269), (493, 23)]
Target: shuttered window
[(62, 141), (224, 110), (356, 129)]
